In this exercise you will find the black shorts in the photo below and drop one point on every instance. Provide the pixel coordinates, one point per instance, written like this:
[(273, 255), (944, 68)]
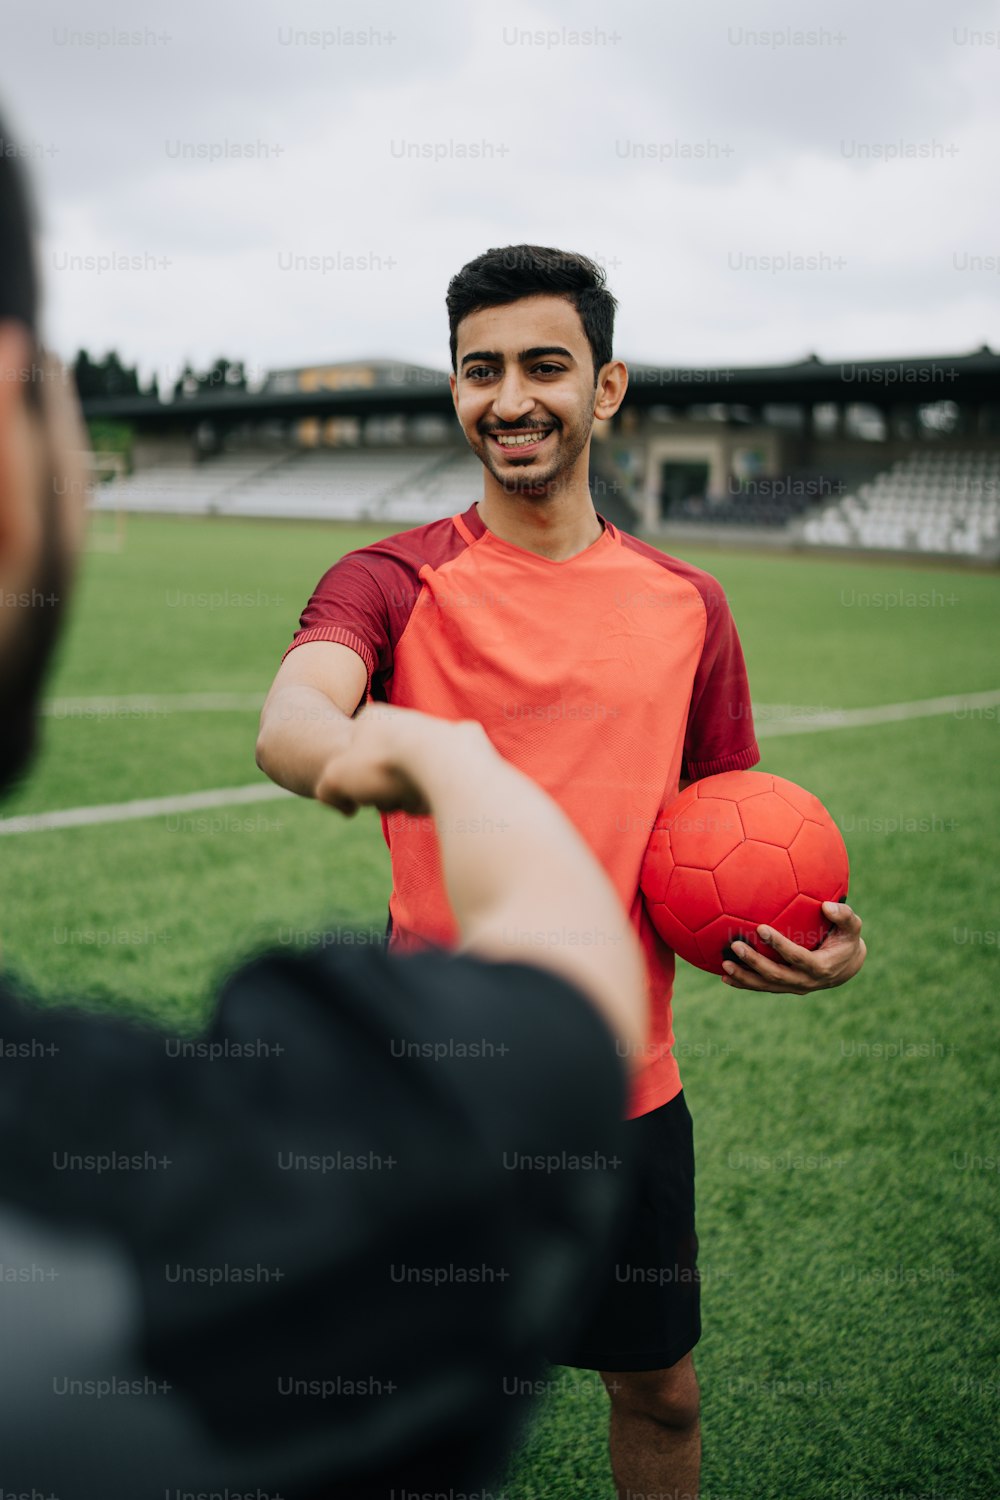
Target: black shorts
[(648, 1315)]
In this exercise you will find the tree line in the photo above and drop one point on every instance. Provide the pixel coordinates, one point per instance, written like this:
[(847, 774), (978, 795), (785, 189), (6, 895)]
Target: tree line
[(108, 376)]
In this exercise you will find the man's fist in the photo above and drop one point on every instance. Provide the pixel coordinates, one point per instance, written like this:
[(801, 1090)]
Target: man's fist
[(386, 756)]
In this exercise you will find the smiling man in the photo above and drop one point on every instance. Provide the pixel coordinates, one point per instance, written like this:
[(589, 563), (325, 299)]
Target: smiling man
[(611, 674)]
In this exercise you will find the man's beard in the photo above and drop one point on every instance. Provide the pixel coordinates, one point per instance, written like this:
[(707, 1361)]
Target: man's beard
[(529, 479), (28, 652)]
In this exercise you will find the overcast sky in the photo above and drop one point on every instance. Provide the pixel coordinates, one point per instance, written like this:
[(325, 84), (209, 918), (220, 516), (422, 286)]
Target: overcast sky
[(693, 149)]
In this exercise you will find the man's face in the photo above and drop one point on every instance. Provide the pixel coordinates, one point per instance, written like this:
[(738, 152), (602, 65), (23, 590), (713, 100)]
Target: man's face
[(525, 392), (42, 501)]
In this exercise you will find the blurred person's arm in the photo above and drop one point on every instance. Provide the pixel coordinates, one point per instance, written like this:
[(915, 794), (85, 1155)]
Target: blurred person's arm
[(524, 886), (347, 1111)]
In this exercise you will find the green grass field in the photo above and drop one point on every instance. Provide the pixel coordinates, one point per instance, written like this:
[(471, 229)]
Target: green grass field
[(847, 1145)]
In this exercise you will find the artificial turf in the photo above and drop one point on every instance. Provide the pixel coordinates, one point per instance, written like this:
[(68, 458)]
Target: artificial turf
[(847, 1144)]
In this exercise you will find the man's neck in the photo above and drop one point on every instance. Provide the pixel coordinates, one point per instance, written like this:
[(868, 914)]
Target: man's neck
[(557, 527)]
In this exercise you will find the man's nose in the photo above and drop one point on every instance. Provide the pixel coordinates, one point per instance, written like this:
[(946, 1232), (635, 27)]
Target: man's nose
[(512, 399)]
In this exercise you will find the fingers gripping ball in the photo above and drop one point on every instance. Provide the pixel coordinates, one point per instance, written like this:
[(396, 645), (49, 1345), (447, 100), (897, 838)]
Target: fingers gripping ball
[(737, 850)]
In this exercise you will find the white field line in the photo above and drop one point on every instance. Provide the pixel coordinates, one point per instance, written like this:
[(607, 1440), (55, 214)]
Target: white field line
[(795, 722), (811, 721), (771, 718), (136, 704), (147, 807)]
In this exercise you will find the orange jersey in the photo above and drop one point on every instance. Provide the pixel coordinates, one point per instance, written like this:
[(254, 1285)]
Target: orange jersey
[(605, 677)]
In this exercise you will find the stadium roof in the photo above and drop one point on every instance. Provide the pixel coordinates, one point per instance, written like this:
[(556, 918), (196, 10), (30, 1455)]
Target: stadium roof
[(963, 377), (413, 389)]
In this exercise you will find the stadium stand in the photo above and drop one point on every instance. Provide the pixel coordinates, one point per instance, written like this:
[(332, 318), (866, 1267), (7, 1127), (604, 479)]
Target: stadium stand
[(448, 484), (939, 502), (785, 456), (761, 502), (935, 502), (405, 484), (183, 489)]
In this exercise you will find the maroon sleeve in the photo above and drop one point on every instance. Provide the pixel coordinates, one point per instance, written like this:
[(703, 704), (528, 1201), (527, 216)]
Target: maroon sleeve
[(349, 606), (365, 600), (720, 733)]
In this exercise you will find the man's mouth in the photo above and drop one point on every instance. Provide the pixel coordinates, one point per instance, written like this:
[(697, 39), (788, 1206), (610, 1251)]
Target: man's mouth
[(523, 441)]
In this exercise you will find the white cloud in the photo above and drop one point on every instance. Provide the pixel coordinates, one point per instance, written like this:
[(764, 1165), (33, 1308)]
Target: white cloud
[(759, 149)]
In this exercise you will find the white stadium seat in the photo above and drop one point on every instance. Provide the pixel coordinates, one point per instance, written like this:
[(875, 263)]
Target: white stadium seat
[(946, 503), (410, 485)]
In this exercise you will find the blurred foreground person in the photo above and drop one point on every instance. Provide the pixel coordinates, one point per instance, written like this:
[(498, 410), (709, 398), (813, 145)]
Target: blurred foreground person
[(319, 1253)]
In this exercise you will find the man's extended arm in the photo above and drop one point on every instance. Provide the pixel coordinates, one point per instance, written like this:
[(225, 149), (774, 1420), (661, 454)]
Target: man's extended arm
[(306, 715)]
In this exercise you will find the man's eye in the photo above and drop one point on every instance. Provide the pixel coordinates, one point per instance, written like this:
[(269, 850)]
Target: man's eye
[(478, 372), (548, 369)]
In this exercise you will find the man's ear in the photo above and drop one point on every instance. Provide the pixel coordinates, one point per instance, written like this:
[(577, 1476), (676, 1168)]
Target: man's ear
[(19, 517), (612, 383)]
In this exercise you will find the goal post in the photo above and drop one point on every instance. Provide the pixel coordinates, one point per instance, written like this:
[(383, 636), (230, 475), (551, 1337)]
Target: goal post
[(105, 519)]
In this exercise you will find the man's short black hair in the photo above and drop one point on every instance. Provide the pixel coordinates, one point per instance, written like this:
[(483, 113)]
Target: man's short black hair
[(18, 274), (506, 275)]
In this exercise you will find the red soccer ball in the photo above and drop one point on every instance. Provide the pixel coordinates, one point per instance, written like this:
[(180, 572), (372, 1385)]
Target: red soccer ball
[(733, 851)]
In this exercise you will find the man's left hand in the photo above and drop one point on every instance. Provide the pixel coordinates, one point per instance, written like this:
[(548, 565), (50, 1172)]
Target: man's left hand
[(837, 959)]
